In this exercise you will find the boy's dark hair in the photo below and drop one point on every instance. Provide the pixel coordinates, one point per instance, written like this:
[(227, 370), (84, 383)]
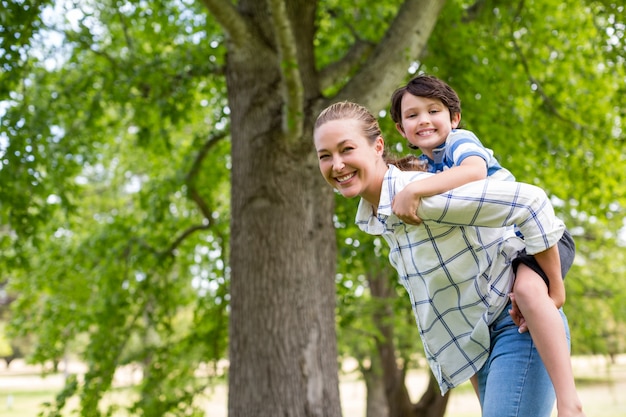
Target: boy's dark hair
[(425, 86)]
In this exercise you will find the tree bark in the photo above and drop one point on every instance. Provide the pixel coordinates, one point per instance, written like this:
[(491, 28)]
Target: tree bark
[(432, 403), (283, 351), (376, 404)]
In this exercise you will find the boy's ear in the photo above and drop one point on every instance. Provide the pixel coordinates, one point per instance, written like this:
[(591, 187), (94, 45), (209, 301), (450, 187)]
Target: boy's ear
[(400, 129), (456, 120)]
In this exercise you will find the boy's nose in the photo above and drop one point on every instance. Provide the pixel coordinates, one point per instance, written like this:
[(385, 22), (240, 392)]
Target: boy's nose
[(422, 119)]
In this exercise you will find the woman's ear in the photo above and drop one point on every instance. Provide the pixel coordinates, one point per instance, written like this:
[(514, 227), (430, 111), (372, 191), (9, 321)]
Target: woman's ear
[(379, 145)]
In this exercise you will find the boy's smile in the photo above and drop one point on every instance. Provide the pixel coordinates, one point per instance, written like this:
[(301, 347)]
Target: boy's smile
[(426, 122)]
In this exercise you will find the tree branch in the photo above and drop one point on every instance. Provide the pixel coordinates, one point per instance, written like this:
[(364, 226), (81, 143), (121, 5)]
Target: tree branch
[(194, 195), (290, 70), (547, 100), (184, 235), (229, 19), (473, 11), (127, 37), (387, 66), (339, 69), (190, 178), (345, 66)]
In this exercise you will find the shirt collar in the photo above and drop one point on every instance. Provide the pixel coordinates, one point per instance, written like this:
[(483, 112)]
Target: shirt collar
[(365, 218), (438, 153)]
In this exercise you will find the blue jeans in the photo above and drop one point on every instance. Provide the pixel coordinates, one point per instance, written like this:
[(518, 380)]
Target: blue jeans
[(514, 382)]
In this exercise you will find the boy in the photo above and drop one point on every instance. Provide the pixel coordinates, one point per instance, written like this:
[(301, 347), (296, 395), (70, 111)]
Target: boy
[(427, 113)]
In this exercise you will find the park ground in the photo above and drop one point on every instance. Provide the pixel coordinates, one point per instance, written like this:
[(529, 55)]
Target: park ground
[(601, 384)]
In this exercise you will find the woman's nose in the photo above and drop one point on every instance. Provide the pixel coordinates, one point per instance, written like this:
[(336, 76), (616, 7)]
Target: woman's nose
[(338, 164)]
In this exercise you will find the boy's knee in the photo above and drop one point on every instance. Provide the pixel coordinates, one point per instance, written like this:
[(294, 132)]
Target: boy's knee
[(528, 284)]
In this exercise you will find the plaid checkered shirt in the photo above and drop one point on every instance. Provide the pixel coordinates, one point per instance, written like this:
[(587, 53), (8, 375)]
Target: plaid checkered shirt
[(456, 265)]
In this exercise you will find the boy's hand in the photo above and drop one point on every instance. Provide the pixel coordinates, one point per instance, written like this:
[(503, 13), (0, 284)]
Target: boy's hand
[(405, 205), (517, 316), (550, 263), (556, 291)]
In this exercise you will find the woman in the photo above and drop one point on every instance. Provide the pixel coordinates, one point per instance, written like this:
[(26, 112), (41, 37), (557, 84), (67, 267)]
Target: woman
[(456, 265)]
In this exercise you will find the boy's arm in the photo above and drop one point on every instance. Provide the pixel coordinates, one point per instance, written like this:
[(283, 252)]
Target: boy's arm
[(406, 202), (506, 203), (550, 262), (498, 204)]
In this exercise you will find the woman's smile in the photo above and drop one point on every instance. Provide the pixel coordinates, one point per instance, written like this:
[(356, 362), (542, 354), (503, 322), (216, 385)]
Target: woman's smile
[(344, 178)]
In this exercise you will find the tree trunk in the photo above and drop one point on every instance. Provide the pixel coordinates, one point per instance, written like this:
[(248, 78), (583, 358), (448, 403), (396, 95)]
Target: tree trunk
[(398, 399), (432, 403), (283, 352), (376, 402)]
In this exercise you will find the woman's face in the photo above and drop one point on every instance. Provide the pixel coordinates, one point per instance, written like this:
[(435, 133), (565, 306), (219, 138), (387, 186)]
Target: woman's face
[(426, 122), (348, 161)]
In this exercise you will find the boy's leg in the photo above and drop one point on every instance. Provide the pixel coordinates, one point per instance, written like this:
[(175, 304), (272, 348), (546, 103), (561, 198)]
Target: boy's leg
[(549, 336)]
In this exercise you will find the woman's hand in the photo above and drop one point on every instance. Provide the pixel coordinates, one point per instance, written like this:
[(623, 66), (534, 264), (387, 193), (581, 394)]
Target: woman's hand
[(517, 316)]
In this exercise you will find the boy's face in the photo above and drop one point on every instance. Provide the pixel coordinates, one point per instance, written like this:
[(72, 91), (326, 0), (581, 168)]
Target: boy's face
[(426, 122)]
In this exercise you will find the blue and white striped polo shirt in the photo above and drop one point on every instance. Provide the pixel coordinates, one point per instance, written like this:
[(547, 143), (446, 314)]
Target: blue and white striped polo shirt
[(459, 145)]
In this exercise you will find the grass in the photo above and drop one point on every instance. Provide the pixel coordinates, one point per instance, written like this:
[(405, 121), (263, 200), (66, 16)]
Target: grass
[(24, 403), (601, 387)]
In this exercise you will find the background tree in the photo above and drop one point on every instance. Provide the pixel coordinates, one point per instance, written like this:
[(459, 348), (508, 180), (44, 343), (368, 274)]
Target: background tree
[(165, 152)]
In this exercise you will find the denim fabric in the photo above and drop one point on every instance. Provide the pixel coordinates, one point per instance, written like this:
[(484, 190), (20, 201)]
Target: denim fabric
[(514, 381)]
